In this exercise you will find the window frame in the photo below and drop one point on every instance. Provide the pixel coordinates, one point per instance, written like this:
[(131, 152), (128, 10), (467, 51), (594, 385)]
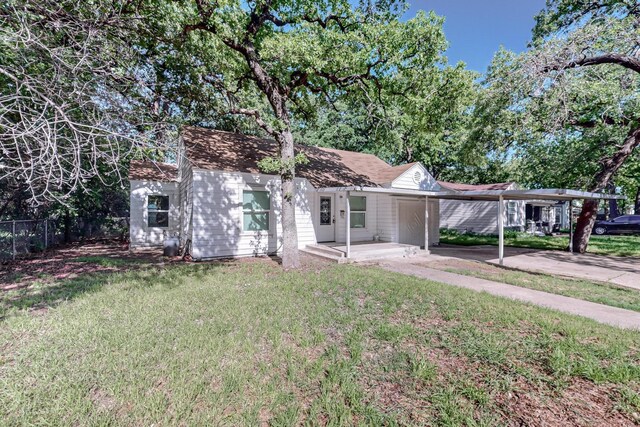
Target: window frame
[(512, 208), (254, 211), (359, 212), (155, 211)]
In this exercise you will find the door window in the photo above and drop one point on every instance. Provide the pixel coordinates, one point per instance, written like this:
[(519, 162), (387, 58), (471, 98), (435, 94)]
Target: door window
[(325, 210)]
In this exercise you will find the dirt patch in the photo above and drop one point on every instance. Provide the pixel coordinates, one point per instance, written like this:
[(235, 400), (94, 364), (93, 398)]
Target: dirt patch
[(583, 403), (74, 260), (528, 401)]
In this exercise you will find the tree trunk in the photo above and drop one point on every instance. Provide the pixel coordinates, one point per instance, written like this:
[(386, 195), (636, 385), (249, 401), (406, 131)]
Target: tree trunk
[(614, 212), (584, 225), (290, 254), (590, 207), (637, 204)]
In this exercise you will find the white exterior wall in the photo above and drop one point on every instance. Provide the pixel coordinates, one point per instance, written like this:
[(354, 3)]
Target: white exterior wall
[(407, 181), (185, 189), (478, 216), (382, 218), (140, 234), (217, 215)]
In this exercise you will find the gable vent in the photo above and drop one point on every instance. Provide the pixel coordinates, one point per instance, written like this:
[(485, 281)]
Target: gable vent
[(417, 177)]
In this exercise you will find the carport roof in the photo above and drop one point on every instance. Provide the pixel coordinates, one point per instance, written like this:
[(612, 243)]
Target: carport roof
[(488, 195)]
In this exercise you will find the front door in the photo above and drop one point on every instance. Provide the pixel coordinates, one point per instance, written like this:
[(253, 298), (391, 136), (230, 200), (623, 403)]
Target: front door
[(326, 219), (411, 222)]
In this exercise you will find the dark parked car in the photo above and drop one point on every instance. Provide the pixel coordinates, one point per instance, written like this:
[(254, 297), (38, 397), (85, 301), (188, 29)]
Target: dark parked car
[(625, 224)]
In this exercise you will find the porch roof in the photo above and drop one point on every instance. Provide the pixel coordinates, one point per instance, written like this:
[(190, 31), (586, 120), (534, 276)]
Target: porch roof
[(487, 195)]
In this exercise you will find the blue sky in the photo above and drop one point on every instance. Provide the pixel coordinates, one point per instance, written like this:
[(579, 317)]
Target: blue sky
[(476, 28)]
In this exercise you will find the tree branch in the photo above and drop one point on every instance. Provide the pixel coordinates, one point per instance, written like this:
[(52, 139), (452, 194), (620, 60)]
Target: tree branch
[(626, 61), (256, 116)]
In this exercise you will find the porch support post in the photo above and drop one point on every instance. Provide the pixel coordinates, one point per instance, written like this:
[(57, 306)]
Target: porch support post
[(571, 226), (501, 230), (348, 224), (426, 224)]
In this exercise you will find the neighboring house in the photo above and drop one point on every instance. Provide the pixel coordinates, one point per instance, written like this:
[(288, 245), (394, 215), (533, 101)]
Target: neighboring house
[(220, 204), (473, 216)]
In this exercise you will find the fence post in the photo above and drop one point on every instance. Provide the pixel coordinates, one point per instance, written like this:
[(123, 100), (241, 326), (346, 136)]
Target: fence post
[(46, 233), (13, 239)]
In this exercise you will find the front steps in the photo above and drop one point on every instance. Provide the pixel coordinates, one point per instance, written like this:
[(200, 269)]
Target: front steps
[(325, 252), (363, 252)]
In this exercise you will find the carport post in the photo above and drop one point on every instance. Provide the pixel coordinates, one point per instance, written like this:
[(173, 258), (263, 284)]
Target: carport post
[(426, 224), (501, 230), (348, 224), (571, 226)]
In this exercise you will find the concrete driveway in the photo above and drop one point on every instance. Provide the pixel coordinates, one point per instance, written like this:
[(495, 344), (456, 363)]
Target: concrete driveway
[(620, 271)]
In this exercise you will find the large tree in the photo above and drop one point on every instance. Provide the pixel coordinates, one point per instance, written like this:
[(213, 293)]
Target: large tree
[(568, 109), (594, 43), (71, 106), (275, 60)]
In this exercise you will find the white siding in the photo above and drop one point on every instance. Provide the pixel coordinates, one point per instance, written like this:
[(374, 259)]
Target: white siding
[(477, 216), (217, 215), (381, 219), (140, 233), (387, 218), (371, 218), (406, 180), (434, 221), (186, 201)]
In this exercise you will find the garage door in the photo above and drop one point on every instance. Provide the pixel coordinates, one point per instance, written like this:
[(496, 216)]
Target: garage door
[(411, 222)]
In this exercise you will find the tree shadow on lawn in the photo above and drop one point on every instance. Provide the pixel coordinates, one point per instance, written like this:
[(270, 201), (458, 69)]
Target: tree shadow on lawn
[(91, 274)]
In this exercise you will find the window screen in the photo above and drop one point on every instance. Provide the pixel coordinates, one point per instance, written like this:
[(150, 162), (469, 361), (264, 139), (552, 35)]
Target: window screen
[(255, 210), (358, 216)]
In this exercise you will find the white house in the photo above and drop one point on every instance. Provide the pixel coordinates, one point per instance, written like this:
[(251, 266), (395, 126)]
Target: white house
[(221, 205)]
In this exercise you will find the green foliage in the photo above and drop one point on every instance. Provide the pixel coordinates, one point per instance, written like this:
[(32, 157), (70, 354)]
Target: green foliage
[(279, 166), (554, 124)]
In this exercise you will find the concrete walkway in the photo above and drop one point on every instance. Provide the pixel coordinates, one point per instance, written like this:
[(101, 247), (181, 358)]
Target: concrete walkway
[(619, 271), (601, 313)]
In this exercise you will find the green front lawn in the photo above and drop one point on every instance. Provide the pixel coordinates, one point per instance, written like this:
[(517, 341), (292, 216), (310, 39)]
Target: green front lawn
[(244, 343), (603, 245), (600, 293)]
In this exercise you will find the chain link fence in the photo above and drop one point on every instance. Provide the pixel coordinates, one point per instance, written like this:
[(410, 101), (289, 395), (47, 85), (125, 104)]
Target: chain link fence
[(23, 237)]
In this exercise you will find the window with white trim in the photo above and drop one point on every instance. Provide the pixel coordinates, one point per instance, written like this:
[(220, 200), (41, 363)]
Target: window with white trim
[(158, 211), (512, 213), (358, 206), (255, 210)]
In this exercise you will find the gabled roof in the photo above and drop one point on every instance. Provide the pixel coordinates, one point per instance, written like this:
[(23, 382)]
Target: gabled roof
[(394, 172), (475, 187), (327, 167), (141, 170)]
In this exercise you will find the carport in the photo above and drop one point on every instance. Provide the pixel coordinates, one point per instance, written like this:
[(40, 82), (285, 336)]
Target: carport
[(499, 196)]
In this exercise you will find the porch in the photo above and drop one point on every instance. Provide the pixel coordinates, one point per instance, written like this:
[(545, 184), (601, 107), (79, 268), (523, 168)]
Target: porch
[(414, 218), (362, 251)]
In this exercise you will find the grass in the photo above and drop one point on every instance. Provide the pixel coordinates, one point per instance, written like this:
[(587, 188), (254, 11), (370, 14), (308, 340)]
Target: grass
[(600, 293), (624, 245), (247, 344), (106, 261)]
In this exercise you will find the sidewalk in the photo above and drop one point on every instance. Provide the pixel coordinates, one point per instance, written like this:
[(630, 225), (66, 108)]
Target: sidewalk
[(619, 271), (601, 313)]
